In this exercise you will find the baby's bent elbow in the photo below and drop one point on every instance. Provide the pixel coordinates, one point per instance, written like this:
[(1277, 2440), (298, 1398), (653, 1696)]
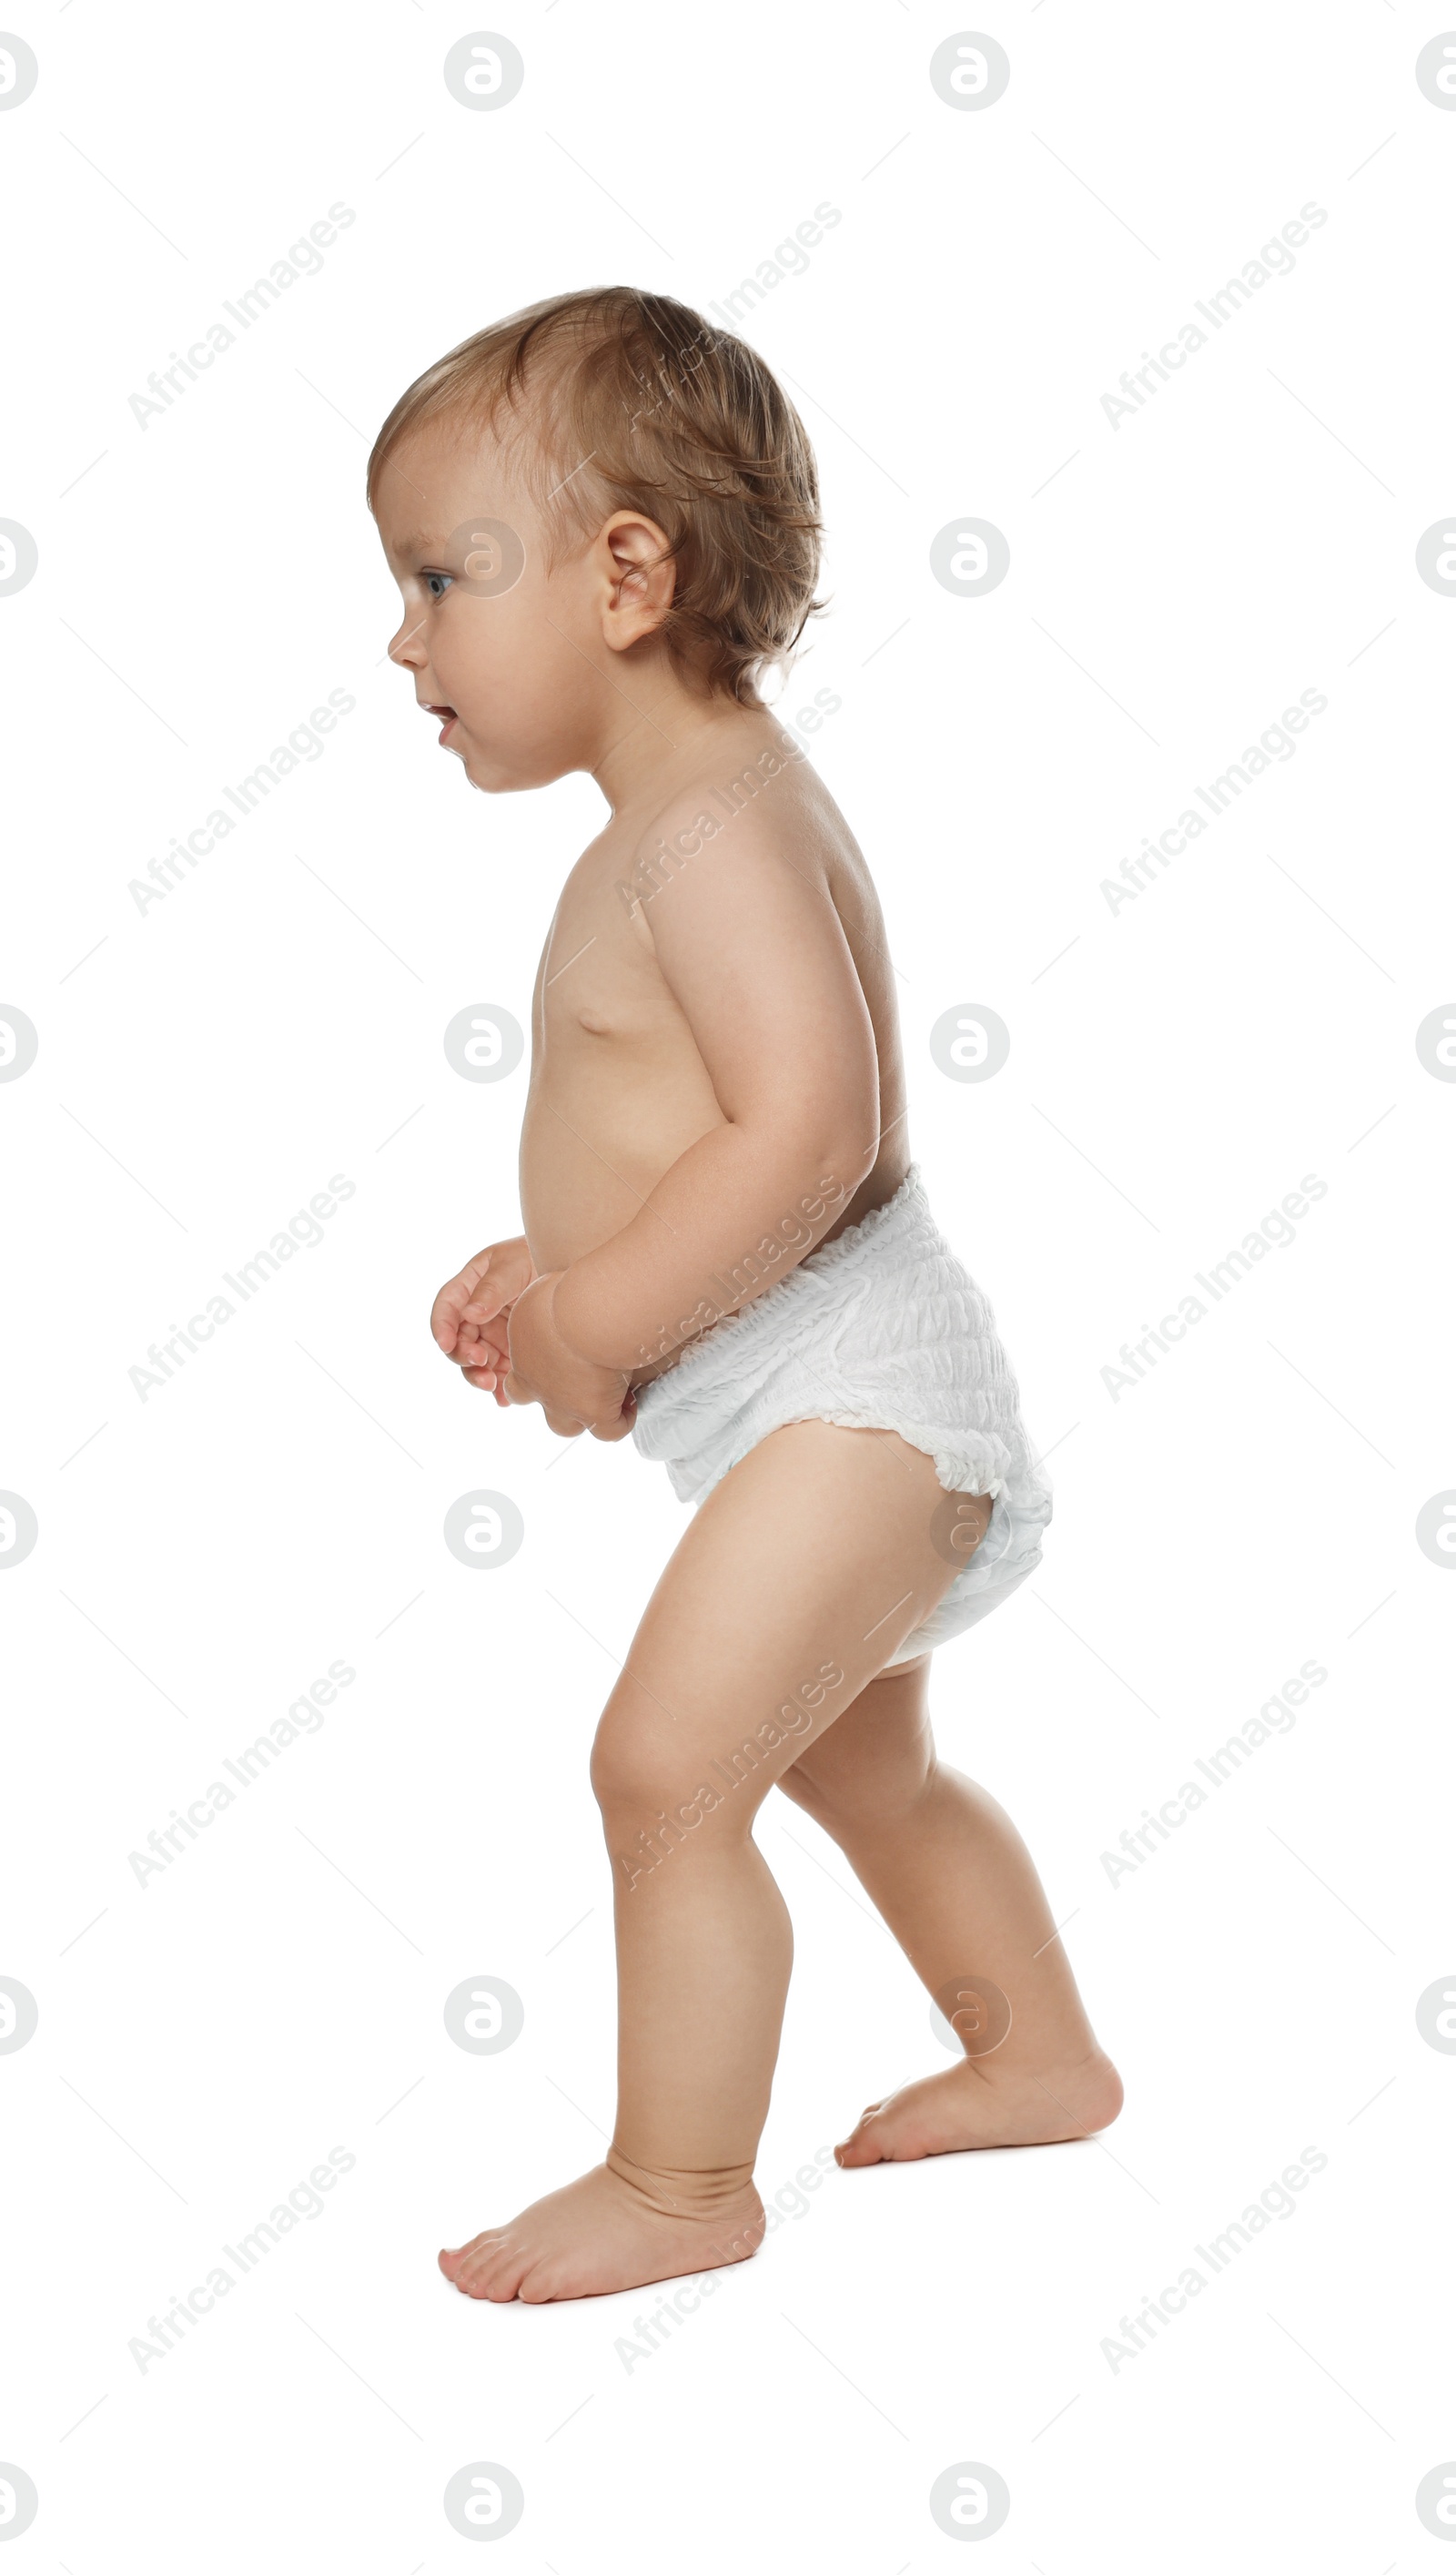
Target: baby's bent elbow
[(847, 1151)]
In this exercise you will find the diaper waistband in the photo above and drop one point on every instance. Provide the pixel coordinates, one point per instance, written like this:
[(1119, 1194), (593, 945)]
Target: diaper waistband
[(900, 1239)]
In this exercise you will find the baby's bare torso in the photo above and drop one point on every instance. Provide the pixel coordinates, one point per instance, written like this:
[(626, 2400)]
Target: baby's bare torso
[(619, 1090)]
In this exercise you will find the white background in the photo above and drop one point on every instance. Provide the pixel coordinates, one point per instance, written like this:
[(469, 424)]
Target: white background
[(1176, 1066)]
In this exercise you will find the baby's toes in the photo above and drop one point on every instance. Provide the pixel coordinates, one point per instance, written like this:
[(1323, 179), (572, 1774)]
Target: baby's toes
[(466, 2257), (496, 2273), (539, 2282), (861, 2147)]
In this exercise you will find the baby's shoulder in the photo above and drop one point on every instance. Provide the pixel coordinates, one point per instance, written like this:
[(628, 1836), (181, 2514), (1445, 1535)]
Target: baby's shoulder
[(755, 811)]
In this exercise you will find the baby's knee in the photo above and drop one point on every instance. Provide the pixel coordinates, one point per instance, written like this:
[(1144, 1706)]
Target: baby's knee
[(656, 1798), (637, 1767), (650, 1808)]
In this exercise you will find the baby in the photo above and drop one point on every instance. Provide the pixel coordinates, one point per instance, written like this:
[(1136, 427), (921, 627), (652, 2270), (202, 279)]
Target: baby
[(603, 514)]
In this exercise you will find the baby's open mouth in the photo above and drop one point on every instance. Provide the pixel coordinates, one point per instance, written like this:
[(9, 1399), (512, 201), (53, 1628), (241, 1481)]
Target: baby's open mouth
[(447, 713)]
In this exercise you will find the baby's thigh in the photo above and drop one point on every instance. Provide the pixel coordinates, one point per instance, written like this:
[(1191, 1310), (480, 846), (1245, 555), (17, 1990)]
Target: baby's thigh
[(876, 1760), (798, 1579)]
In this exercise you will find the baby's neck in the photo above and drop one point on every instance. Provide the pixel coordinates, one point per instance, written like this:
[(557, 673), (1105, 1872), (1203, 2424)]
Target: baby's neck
[(674, 735)]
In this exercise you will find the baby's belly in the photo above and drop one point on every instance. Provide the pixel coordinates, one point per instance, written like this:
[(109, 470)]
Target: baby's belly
[(588, 1159)]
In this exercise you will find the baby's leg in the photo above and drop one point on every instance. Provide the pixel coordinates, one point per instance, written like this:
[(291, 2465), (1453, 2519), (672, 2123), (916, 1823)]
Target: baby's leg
[(805, 1569), (955, 1884)]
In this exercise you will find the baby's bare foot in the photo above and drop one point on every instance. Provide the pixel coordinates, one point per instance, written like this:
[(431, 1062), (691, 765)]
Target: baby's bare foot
[(973, 2104), (599, 2234)]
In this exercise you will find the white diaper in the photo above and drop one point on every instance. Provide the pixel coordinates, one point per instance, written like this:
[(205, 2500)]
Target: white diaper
[(882, 1329)]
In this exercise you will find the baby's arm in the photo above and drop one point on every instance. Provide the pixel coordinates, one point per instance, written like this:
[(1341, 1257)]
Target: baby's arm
[(753, 950), (470, 1321)]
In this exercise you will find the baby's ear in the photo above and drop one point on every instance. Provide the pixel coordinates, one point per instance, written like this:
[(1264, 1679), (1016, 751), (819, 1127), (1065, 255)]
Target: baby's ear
[(640, 579)]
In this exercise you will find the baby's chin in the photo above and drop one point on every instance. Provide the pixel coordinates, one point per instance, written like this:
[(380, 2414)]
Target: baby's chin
[(493, 773), (484, 769)]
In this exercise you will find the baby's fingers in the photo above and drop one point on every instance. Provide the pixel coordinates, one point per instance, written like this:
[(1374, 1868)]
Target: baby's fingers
[(445, 1323), (620, 1426), (447, 1314), (483, 1350), (485, 1309)]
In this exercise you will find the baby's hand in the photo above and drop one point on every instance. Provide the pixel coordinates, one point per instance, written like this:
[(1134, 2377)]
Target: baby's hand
[(575, 1393), (471, 1315)]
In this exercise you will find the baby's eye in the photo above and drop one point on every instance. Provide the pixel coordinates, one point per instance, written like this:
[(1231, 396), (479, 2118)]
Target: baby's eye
[(431, 578)]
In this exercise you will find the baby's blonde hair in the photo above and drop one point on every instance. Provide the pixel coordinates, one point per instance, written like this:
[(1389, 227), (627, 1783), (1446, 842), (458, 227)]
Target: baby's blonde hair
[(636, 403)]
